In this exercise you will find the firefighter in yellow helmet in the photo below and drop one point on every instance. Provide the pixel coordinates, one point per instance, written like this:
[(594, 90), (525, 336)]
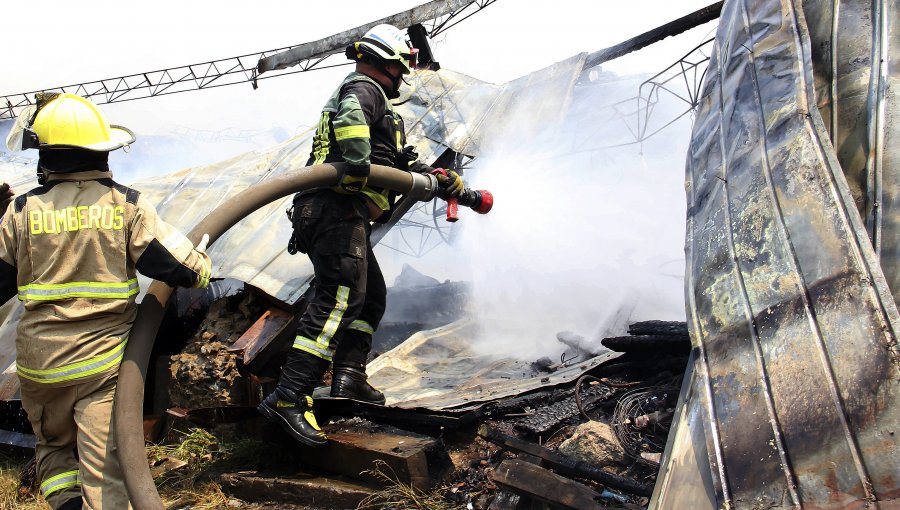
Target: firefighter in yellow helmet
[(70, 250), (358, 126)]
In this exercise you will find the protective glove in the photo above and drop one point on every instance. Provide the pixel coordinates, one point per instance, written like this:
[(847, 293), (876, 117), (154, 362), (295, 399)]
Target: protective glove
[(353, 179), (420, 168), (450, 182), (6, 196), (407, 156), (201, 246)]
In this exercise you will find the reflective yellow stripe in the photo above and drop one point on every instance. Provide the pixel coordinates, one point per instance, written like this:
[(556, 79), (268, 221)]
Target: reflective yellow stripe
[(397, 132), (321, 144), (79, 370), (103, 290), (342, 133), (363, 326), (60, 482), (380, 200), (334, 319), (203, 278), (321, 347), (307, 345)]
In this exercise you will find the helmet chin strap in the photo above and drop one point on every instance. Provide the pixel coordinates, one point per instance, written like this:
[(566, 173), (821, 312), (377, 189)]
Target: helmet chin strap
[(407, 93), (394, 93)]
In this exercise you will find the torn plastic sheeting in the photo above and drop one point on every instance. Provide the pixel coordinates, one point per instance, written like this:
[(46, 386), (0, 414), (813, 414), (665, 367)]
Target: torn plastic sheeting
[(440, 369), (794, 322), (446, 110)]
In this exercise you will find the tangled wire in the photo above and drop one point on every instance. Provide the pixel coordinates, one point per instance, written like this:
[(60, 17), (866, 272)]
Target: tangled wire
[(642, 418)]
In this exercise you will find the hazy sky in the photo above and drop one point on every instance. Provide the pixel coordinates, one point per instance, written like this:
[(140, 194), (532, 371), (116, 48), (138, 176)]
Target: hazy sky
[(62, 43)]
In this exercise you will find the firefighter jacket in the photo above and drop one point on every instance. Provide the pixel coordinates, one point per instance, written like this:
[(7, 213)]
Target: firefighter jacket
[(359, 126), (70, 250)]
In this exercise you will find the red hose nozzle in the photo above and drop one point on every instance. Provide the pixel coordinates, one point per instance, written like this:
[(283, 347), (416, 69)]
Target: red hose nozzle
[(480, 201), (487, 202)]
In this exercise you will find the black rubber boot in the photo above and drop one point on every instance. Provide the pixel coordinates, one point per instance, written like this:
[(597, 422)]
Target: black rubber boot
[(350, 382), (71, 504), (295, 414)]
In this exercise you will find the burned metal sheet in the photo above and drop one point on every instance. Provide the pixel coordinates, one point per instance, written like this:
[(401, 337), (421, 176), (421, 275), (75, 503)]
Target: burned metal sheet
[(441, 370), (855, 48), (791, 317), (686, 476)]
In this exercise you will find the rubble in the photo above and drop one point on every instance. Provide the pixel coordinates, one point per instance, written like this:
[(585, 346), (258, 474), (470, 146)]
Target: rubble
[(555, 441), (205, 373), (594, 442)]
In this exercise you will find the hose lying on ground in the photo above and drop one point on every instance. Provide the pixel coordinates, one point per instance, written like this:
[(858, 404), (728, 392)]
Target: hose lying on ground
[(129, 399)]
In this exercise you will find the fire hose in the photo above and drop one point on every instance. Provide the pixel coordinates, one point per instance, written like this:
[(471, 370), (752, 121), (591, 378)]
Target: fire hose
[(129, 398)]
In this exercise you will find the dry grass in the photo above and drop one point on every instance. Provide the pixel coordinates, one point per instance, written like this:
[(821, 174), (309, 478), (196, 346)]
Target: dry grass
[(192, 486), (10, 497), (188, 487), (400, 496)]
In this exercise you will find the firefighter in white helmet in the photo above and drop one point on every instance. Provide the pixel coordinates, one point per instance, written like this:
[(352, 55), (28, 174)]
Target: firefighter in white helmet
[(70, 249), (358, 127)]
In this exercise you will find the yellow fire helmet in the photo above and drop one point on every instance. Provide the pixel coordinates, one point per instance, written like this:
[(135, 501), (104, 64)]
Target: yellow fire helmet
[(65, 121)]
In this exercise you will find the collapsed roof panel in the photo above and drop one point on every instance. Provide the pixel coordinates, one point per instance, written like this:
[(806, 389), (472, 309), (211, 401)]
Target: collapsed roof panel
[(793, 322), (441, 369), (446, 109)]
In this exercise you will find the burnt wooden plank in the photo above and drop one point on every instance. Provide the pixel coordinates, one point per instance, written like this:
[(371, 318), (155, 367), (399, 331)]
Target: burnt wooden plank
[(526, 479), (295, 488), (272, 326), (654, 344), (675, 27), (564, 464), (674, 328), (412, 459)]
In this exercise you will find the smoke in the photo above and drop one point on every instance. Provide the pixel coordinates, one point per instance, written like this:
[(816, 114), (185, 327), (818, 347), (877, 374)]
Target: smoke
[(161, 154), (581, 238)]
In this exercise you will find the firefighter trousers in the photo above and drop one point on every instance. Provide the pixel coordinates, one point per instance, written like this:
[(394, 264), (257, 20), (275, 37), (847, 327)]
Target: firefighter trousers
[(76, 447), (349, 290)]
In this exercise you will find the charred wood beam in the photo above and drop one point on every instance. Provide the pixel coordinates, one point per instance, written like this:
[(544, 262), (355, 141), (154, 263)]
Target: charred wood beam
[(538, 483), (566, 465), (682, 24), (336, 43), (655, 344), (674, 328), (407, 418)]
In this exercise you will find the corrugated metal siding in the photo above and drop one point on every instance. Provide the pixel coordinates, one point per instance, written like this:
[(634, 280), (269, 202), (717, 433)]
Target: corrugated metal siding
[(793, 322)]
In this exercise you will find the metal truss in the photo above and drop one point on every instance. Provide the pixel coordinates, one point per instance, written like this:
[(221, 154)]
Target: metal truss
[(217, 73), (681, 80), (441, 24), (206, 75)]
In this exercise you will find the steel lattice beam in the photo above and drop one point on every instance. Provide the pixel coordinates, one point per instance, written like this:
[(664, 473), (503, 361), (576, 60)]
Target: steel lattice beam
[(438, 15), (442, 14), (682, 24)]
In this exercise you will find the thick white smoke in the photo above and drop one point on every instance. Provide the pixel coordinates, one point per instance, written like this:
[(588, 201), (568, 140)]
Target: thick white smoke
[(581, 238)]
